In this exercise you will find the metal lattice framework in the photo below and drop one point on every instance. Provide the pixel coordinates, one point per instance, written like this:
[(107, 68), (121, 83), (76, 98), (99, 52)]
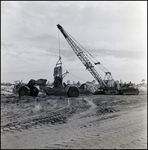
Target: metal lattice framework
[(83, 58)]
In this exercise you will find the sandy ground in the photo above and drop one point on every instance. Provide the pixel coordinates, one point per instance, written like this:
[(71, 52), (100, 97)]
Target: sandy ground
[(86, 122)]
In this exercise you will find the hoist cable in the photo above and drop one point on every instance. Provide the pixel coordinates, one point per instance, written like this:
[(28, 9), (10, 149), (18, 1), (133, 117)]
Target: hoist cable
[(81, 46), (65, 67), (59, 42), (100, 73), (59, 51), (77, 77), (89, 55), (100, 66)]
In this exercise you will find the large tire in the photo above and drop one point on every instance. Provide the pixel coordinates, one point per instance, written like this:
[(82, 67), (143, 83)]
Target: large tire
[(137, 92), (105, 91), (34, 91), (23, 91), (73, 92), (124, 92)]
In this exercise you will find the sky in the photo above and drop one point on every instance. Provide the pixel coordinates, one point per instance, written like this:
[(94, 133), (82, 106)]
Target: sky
[(114, 32)]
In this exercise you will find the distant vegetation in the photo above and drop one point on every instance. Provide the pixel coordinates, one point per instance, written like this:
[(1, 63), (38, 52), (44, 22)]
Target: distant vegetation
[(7, 84), (78, 83)]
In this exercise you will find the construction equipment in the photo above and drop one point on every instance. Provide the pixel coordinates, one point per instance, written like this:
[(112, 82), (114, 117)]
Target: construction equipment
[(108, 85), (60, 88), (30, 88)]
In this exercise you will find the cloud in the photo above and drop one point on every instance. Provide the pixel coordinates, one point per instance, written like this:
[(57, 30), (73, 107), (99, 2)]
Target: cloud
[(30, 39)]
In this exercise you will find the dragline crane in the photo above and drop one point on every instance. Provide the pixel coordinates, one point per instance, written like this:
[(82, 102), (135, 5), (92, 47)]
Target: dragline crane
[(114, 87), (87, 63)]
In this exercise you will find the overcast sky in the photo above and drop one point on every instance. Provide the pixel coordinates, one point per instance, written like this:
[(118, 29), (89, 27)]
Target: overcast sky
[(114, 32)]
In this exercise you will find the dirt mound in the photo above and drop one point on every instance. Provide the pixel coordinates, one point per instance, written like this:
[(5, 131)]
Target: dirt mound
[(29, 111), (104, 110)]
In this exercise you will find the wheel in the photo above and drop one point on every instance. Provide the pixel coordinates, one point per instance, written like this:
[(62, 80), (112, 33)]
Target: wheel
[(105, 91), (34, 91), (23, 91), (73, 92), (137, 92), (124, 92)]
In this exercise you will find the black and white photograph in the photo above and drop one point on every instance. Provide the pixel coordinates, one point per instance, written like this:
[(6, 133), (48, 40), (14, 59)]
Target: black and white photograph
[(74, 74)]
